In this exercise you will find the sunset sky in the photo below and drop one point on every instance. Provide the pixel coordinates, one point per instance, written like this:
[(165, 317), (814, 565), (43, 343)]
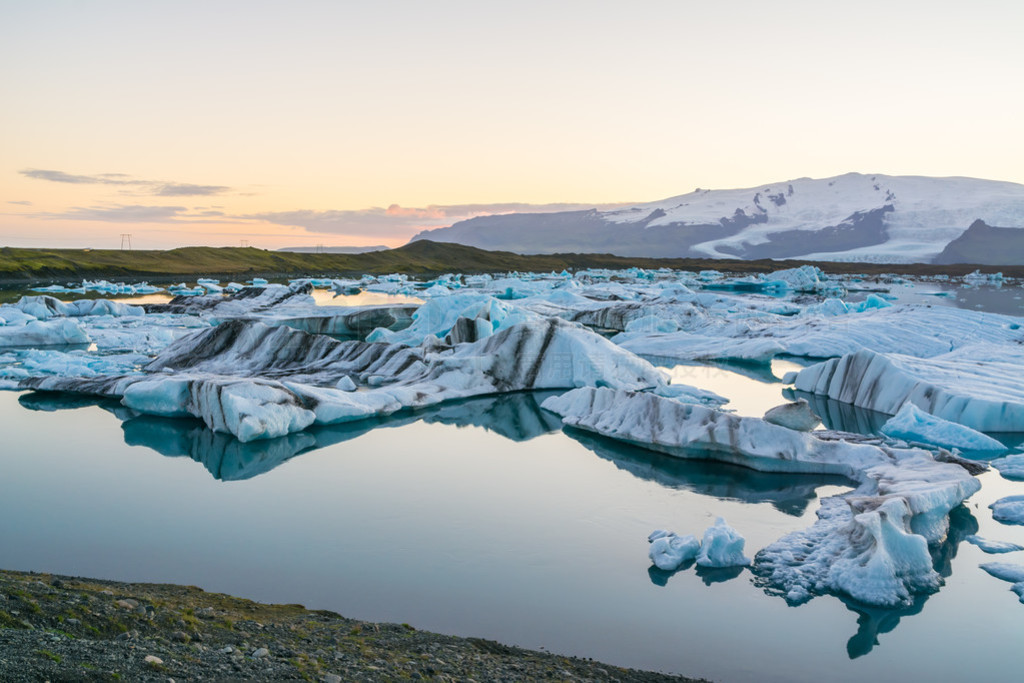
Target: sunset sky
[(345, 123)]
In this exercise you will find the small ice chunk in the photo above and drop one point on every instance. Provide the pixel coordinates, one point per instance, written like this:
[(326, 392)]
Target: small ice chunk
[(1009, 510), (346, 384), (669, 551), (913, 424), (797, 415), (1014, 573), (1011, 467), (722, 547), (993, 547)]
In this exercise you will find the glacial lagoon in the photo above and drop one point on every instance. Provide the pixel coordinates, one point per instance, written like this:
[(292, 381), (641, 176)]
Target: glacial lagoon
[(485, 518)]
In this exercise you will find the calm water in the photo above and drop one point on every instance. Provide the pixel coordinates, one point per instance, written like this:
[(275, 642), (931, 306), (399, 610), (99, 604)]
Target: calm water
[(484, 518)]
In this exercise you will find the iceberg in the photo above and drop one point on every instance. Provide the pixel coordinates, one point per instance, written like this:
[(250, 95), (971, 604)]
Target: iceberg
[(1014, 573), (993, 547), (669, 552), (985, 395), (59, 332), (1008, 510), (796, 415), (871, 543), (914, 425), (257, 381), (1011, 467), (722, 546)]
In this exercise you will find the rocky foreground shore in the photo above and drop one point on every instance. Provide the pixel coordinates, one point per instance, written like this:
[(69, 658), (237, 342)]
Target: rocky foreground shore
[(59, 628)]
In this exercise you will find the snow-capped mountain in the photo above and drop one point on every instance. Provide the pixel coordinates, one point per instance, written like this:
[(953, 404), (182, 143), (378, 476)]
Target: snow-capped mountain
[(852, 217)]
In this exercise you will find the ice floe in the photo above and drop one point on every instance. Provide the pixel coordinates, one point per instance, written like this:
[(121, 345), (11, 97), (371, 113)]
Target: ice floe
[(871, 544), (1014, 573), (914, 425), (983, 392), (993, 547), (722, 546), (1009, 510), (1011, 467), (669, 552)]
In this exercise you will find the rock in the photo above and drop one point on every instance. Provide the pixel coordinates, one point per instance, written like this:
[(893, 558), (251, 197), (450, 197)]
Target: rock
[(226, 650), (796, 415), (153, 660), (331, 678), (205, 613), (259, 653), (181, 637), (73, 622), (127, 603)]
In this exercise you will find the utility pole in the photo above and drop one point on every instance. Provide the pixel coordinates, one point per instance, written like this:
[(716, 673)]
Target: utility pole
[(243, 243), (126, 241)]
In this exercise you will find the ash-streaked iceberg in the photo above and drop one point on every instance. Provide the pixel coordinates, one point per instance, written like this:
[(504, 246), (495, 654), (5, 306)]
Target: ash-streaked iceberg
[(980, 390), (871, 544)]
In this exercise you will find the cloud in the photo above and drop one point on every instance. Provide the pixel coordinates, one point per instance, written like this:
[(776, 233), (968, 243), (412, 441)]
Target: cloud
[(157, 188), (121, 214), (189, 190), (402, 222), (20, 203)]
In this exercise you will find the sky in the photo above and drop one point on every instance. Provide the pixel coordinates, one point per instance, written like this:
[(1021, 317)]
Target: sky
[(275, 124)]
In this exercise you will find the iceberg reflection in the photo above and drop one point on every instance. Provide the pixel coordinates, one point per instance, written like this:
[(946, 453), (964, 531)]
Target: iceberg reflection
[(516, 416), (787, 493)]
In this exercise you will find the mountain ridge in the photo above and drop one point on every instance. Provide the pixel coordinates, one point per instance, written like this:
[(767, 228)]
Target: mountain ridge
[(851, 217)]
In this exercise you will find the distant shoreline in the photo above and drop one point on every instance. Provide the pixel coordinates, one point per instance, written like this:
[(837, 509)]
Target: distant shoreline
[(421, 258)]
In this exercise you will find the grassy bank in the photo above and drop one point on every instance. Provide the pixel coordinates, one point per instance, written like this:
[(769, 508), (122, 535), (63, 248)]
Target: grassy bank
[(421, 258)]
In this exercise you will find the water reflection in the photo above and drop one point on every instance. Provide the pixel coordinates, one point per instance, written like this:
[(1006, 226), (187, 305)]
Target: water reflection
[(875, 621), (787, 493), (841, 417), (845, 417), (517, 417)]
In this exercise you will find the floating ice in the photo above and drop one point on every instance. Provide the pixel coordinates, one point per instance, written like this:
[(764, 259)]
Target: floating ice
[(294, 375), (796, 415), (1011, 467), (1009, 510), (722, 546), (983, 393), (1014, 573), (993, 547), (871, 544), (914, 425), (669, 552), (56, 332)]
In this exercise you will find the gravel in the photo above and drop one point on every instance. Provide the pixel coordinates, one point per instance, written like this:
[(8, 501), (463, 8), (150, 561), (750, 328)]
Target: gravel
[(58, 628)]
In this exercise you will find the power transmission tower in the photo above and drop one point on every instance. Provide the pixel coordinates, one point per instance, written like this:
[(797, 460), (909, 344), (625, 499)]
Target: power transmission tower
[(126, 241), (243, 243)]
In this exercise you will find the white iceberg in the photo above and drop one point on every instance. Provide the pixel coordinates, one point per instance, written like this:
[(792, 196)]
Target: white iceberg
[(58, 332), (669, 552), (1011, 467), (1008, 510), (871, 544), (985, 395), (914, 425), (722, 546), (795, 415), (993, 547), (1014, 573)]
